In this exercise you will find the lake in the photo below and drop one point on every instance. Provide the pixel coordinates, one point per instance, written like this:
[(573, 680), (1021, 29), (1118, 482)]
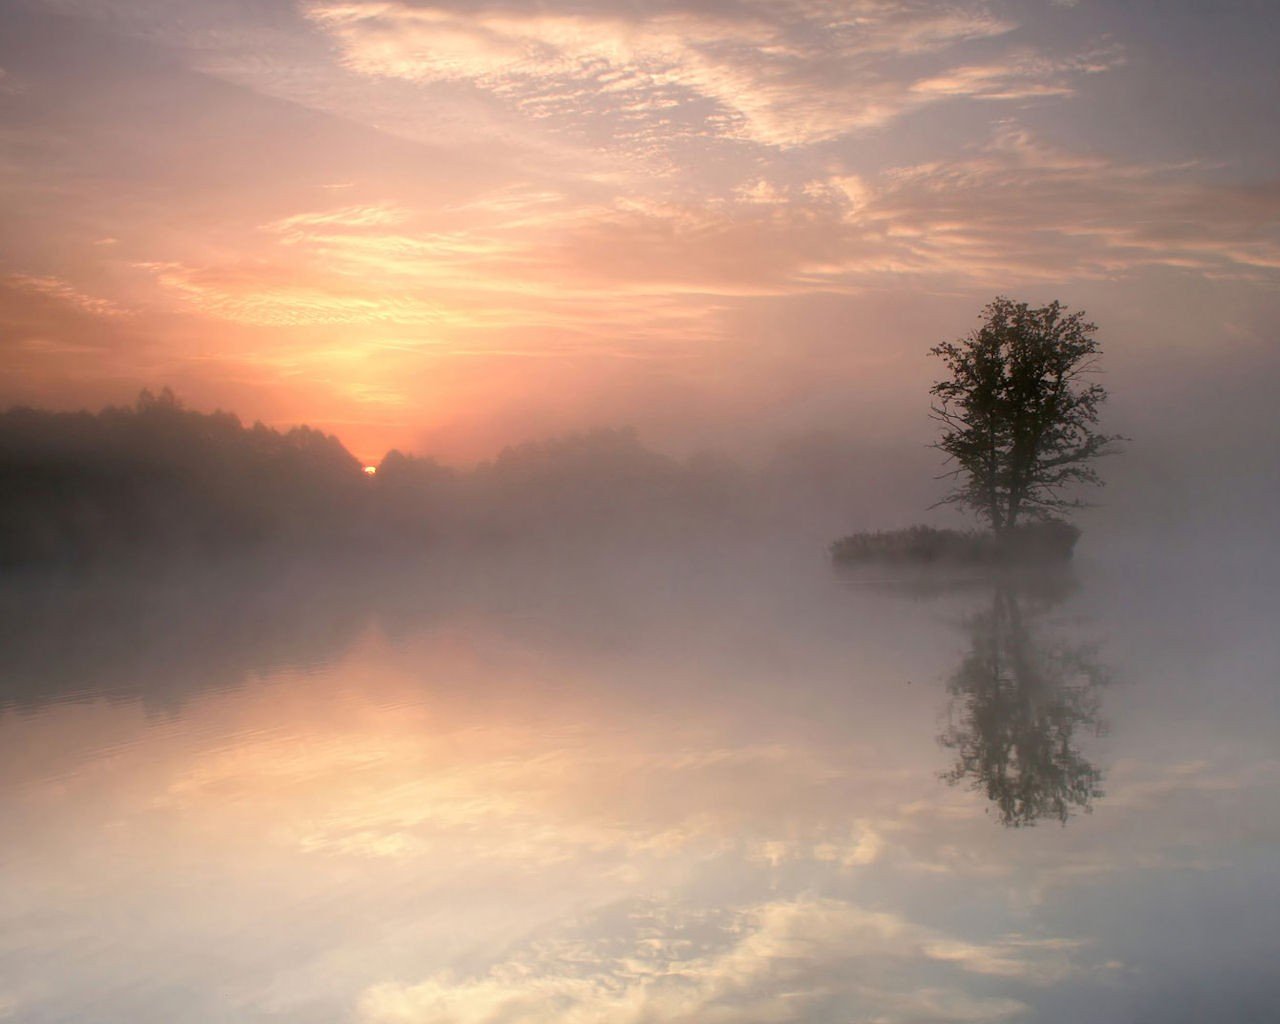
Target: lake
[(713, 785)]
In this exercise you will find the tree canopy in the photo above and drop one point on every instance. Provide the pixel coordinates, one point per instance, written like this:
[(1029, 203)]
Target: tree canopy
[(1019, 413)]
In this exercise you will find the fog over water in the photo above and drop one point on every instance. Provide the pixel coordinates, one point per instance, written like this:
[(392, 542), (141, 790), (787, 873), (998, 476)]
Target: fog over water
[(611, 783)]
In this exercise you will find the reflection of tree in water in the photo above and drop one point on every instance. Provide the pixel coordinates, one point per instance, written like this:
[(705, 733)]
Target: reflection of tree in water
[(1016, 706)]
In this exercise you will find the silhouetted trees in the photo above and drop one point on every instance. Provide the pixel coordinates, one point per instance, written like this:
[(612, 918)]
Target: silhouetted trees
[(1018, 413), (156, 479), (1017, 705), (602, 481)]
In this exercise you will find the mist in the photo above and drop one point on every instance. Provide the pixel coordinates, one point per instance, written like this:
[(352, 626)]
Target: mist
[(588, 729), (493, 773)]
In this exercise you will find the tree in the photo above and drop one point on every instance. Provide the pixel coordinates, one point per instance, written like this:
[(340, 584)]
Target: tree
[(1019, 412)]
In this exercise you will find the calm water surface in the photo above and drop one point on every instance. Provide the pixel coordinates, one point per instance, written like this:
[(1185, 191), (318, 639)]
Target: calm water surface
[(725, 788)]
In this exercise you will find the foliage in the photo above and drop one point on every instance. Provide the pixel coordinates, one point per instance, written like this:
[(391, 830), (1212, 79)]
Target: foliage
[(1018, 413), (586, 485), (156, 478)]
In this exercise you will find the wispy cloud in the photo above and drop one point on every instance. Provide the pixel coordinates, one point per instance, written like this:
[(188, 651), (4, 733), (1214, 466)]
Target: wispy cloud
[(635, 270), (264, 294), (63, 291), (785, 960), (784, 75), (1018, 209)]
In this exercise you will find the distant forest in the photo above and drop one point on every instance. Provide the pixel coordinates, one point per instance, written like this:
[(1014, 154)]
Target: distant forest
[(157, 480)]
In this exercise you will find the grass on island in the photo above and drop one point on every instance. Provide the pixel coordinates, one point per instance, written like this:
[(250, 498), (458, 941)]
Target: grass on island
[(1045, 542)]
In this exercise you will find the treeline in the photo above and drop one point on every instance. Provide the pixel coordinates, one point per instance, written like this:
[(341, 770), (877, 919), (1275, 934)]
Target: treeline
[(156, 477), (602, 482), (156, 480)]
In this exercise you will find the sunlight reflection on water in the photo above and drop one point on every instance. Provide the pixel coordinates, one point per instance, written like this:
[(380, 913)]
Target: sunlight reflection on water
[(641, 794)]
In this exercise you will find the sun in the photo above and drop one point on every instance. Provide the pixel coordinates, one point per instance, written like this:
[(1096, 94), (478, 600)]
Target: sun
[(370, 470)]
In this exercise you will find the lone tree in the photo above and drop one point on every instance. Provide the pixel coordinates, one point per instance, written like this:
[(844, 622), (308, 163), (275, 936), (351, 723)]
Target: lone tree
[(1019, 412)]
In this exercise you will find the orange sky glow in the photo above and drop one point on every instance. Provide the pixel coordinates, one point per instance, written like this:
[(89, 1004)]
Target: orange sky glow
[(446, 227)]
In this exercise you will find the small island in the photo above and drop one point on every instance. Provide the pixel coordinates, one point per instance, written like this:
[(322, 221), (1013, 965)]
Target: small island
[(1018, 414), (1049, 542)]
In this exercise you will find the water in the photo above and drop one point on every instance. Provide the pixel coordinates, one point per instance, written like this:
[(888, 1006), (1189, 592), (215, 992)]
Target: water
[(719, 786)]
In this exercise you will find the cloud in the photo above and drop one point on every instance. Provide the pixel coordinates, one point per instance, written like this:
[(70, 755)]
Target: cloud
[(259, 293), (782, 75), (777, 961), (1018, 209), (1022, 74), (1013, 209), (63, 291), (377, 215), (642, 270)]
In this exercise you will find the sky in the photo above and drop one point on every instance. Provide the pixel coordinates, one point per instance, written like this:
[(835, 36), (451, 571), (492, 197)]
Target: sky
[(450, 226)]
